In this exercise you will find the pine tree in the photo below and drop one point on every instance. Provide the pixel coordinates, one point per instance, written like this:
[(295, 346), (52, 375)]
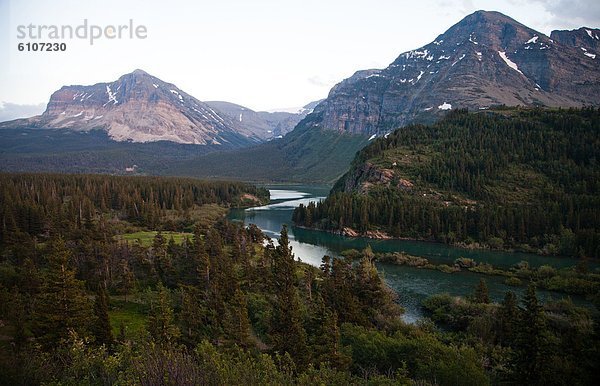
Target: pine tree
[(201, 261), (287, 331), (127, 279), (18, 318), (195, 324), (325, 336), (508, 315), (62, 305), (161, 324), (237, 325), (532, 340), (30, 277), (370, 289), (339, 293), (481, 294), (101, 327), (163, 260)]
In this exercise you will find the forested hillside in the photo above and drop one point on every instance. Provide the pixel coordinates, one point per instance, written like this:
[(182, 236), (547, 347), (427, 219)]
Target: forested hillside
[(526, 179), (112, 280)]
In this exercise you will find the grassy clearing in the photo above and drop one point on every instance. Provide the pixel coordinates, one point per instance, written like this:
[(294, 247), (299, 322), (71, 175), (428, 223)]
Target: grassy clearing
[(145, 238), (203, 216), (131, 314)]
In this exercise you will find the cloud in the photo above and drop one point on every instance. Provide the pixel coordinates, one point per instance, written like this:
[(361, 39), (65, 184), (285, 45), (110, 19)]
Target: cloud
[(10, 111), (570, 13), (320, 82)]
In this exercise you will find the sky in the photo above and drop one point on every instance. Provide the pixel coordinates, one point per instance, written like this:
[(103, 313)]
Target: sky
[(263, 54)]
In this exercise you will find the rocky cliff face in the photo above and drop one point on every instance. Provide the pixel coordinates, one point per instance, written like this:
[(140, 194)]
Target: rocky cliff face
[(585, 39), (363, 177), (484, 60), (139, 107)]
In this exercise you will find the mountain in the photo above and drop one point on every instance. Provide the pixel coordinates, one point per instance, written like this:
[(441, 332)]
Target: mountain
[(486, 59), (307, 154), (585, 39), (139, 107), (263, 124), (506, 178)]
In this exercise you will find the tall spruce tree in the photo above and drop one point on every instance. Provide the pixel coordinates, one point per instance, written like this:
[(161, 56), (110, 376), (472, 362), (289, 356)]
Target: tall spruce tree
[(201, 261), (481, 294), (101, 326), (237, 323), (195, 318), (532, 341), (325, 336), (62, 305), (287, 331), (161, 322), (508, 315)]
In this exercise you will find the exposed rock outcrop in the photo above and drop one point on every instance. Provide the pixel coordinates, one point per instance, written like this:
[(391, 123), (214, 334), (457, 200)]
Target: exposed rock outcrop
[(484, 60)]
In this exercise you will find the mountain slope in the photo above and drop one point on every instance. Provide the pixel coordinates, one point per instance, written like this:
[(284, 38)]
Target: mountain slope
[(484, 60), (93, 151), (307, 154), (523, 179), (585, 39), (139, 107)]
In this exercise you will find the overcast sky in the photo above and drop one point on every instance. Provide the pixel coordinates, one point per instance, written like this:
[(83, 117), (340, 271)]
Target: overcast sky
[(263, 54)]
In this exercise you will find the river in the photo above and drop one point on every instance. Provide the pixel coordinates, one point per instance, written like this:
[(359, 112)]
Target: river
[(412, 284)]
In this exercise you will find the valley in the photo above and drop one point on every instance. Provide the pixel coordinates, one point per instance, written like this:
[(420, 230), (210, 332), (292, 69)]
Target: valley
[(431, 221)]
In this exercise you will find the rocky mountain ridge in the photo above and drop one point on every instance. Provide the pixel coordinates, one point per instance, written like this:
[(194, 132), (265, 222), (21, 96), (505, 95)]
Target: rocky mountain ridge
[(139, 107), (486, 59)]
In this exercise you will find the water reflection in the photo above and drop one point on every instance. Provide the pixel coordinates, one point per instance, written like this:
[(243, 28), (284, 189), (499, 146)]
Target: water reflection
[(412, 284)]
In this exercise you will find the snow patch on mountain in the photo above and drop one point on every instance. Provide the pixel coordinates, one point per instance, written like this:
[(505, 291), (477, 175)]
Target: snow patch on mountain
[(111, 96), (509, 62), (532, 40)]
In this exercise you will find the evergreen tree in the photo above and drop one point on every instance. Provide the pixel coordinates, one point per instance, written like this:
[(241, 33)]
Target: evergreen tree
[(62, 304), (481, 294), (127, 279), (532, 341), (325, 337), (201, 261), (18, 318), (30, 277), (101, 327), (369, 287), (339, 293), (161, 323), (508, 315), (237, 324), (163, 260), (287, 331), (194, 318)]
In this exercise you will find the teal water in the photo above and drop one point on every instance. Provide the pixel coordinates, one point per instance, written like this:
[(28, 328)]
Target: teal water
[(412, 284)]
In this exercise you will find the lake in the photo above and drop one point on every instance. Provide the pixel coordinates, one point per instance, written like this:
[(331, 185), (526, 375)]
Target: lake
[(412, 284)]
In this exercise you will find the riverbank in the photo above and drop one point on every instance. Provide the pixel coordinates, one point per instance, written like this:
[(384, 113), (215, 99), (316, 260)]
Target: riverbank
[(413, 285), (579, 280), (471, 246)]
